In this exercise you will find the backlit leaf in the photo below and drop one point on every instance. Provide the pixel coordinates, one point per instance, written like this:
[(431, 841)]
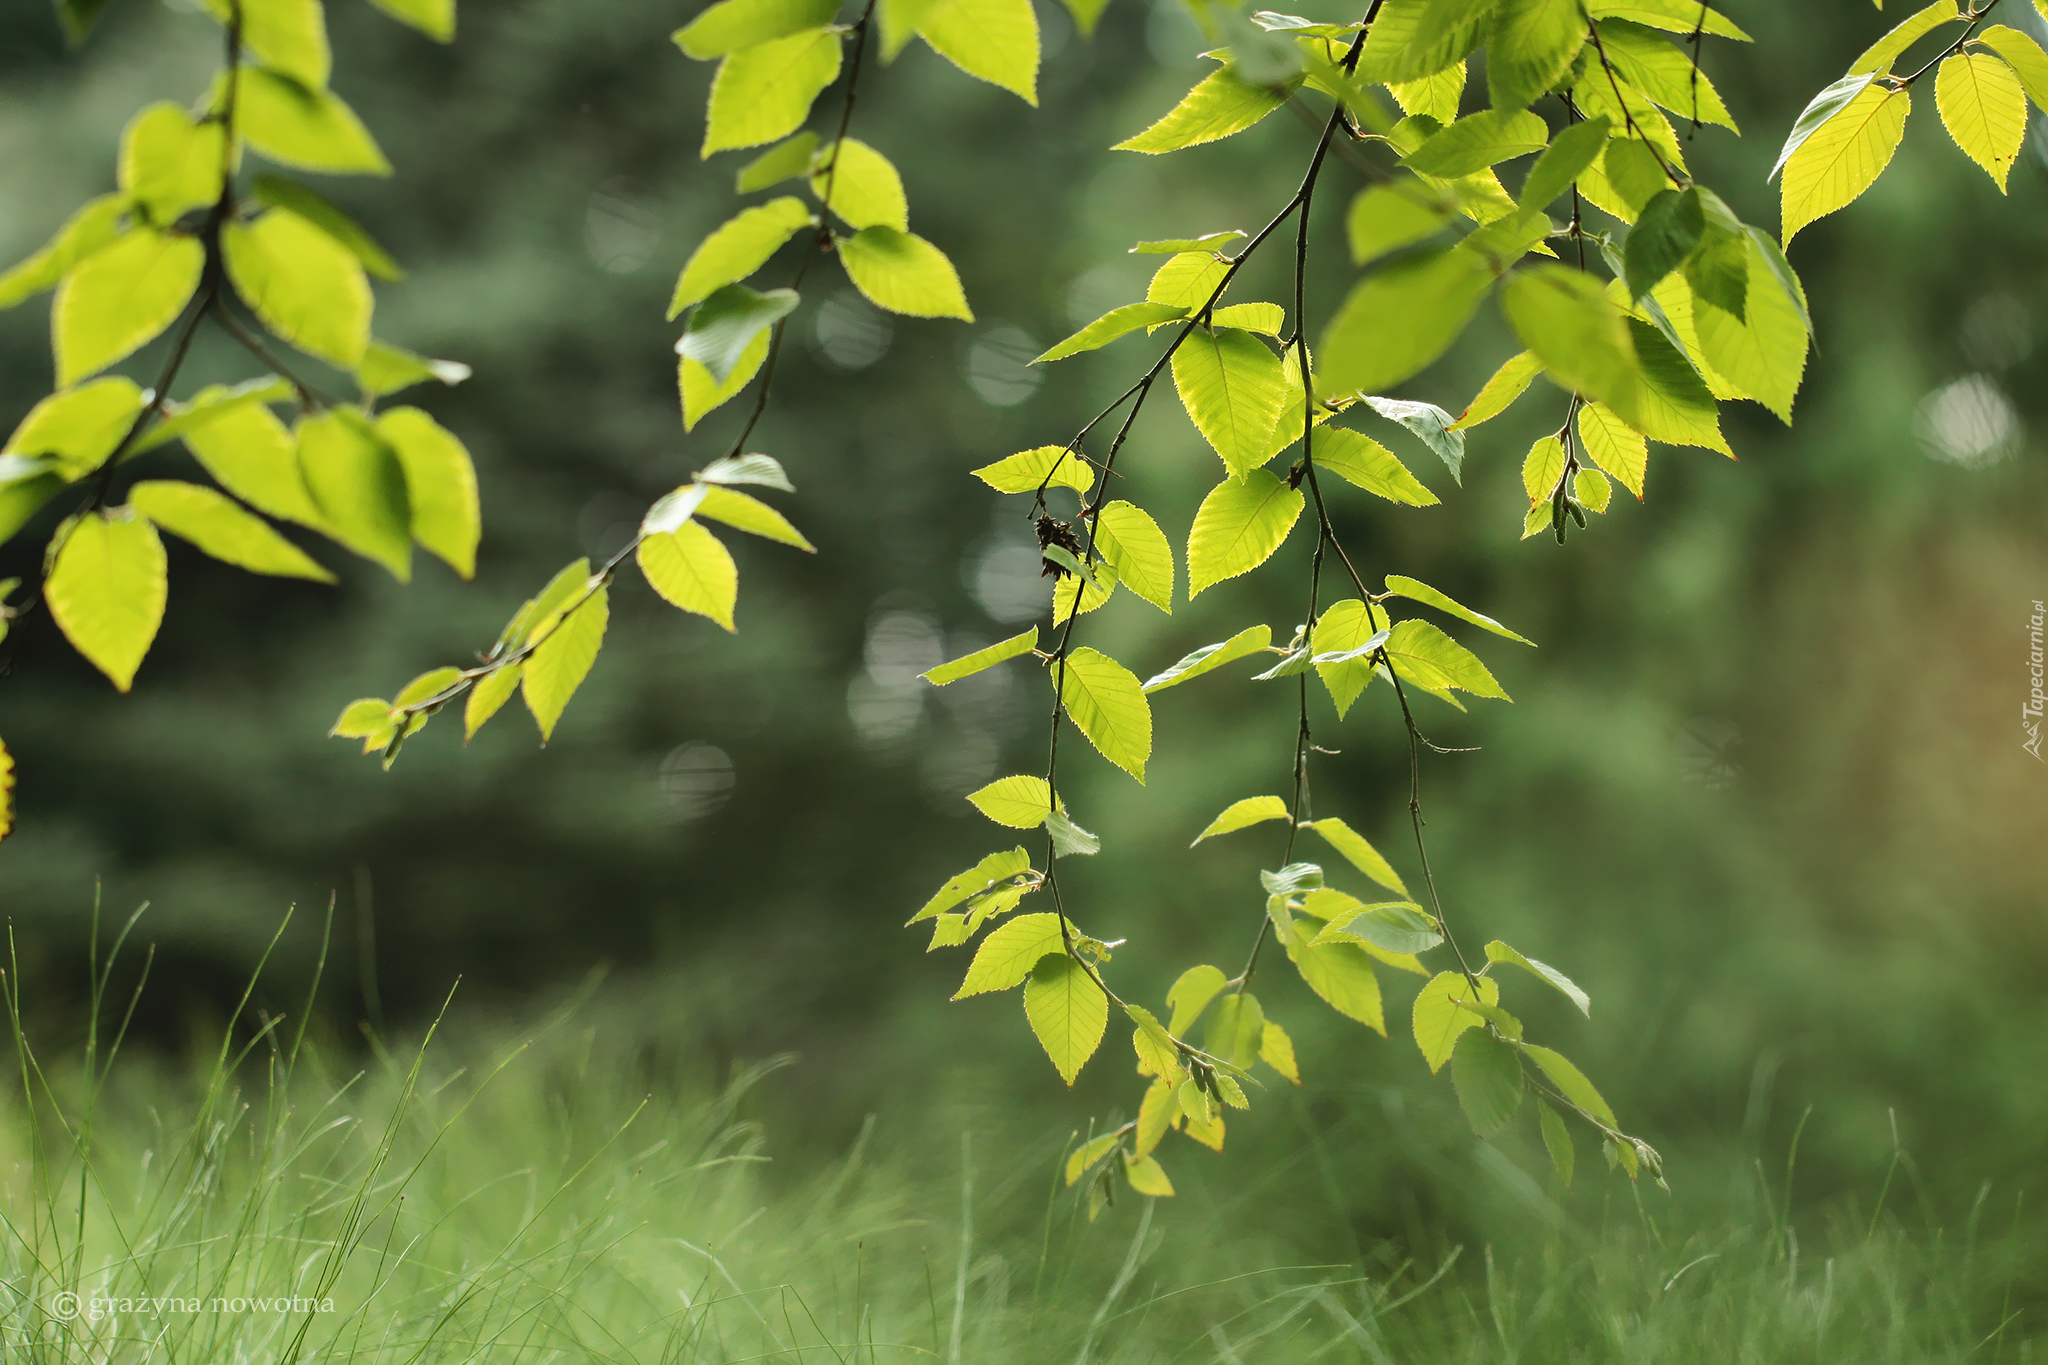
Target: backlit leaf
[(1564, 317), (358, 486), (107, 589), (1009, 953), (737, 248), (1248, 641), (1401, 586), (170, 162), (1764, 354), (1019, 802), (1360, 460), (294, 125), (731, 25), (1104, 700), (1488, 1076), (865, 188), (1069, 1013), (1400, 319), (1385, 218), (969, 664), (1341, 974), (786, 160), (1253, 810), (1025, 471), (1477, 141), (305, 286), (1614, 446), (1439, 1019), (703, 394), (440, 485), (723, 327), (219, 527), (120, 297), (435, 18), (1530, 48), (991, 40), (1118, 322), (996, 867), (1358, 852), (1570, 1082), (1497, 951), (691, 570), (1219, 105), (1229, 381), (1567, 157), (1984, 109), (1425, 655), (94, 225), (78, 428), (252, 455), (1238, 527), (765, 92), (1844, 154), (560, 662), (1137, 550), (489, 694), (903, 273), (1344, 628)]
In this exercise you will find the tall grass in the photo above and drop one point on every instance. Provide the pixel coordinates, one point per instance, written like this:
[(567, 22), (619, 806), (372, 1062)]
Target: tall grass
[(576, 1196)]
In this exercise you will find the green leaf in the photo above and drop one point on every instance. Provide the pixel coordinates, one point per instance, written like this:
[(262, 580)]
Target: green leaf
[(723, 326), (1019, 802), (219, 527), (1118, 322), (120, 297), (1360, 854), (968, 665), (1571, 1083), (1069, 838), (550, 675), (1187, 281), (21, 497), (991, 40), (764, 470), (1402, 586), (315, 208), (703, 395), (1439, 1018), (1340, 973), (1086, 13), (1557, 1139), (1828, 164), (1611, 444), (1497, 951), (440, 486), (1190, 995), (1673, 16), (171, 163), (1667, 232), (1147, 1177), (78, 428), (1229, 382), (1251, 640), (1008, 954), (737, 248), (1137, 550), (1398, 320), (1025, 471), (435, 18), (1530, 48), (692, 570), (1343, 629), (1437, 95), (93, 226), (1104, 701), (566, 584), (996, 867), (1576, 331), (1764, 354), (1238, 527), (1220, 104), (1253, 810), (78, 18), (1385, 218), (306, 287), (1394, 926), (1592, 489), (1408, 41), (107, 588), (1235, 1027), (385, 368), (1477, 141), (361, 719), (1567, 157), (903, 273), (730, 25), (2024, 55), (289, 35), (1674, 404), (1267, 319), (251, 454), (358, 486), (1276, 1050), (1879, 56), (1431, 424), (489, 694), (1488, 1077), (1662, 72), (1157, 1056), (1633, 173), (1360, 460), (1431, 659), (786, 160), (1068, 1012), (865, 188), (765, 92), (1174, 246), (297, 126), (1984, 109), (1088, 1153)]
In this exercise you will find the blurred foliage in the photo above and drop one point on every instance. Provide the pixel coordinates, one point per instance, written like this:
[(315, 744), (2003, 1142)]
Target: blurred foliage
[(1762, 788)]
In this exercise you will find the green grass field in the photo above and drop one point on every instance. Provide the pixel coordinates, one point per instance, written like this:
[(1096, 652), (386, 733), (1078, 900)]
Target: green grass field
[(578, 1197)]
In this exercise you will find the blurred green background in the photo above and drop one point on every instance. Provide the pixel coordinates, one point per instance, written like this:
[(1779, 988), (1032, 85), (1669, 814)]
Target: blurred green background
[(1761, 791)]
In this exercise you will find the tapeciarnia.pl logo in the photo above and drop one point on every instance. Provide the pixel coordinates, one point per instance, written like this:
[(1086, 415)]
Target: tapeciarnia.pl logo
[(2030, 714)]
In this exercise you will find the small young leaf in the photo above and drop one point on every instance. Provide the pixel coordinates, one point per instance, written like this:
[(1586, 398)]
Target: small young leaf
[(1488, 1077), (1439, 1017), (1276, 1050), (692, 570), (1007, 955), (361, 718), (435, 18), (996, 867), (1497, 951), (764, 470), (385, 368), (751, 515), (1068, 1012), (865, 188), (1401, 586), (1147, 1177), (560, 662), (1025, 471), (1019, 802), (1250, 640), (1219, 105), (903, 273), (107, 588), (1238, 527), (490, 693), (1611, 444), (968, 665), (1343, 630), (786, 160), (1090, 1152), (1069, 838), (219, 527), (1253, 810), (1208, 241), (1358, 852), (1118, 322)]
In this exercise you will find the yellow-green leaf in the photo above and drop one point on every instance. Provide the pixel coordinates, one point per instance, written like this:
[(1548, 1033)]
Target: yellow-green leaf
[(1488, 1076), (1345, 628), (1117, 322), (1764, 353), (1341, 973), (864, 187), (2025, 56), (1426, 656), (1068, 1012), (903, 273), (1186, 281), (737, 248), (732, 25), (169, 162), (107, 588), (1530, 47), (490, 693), (251, 454), (1508, 383), (1400, 319), (78, 428), (440, 486), (220, 528), (747, 513), (435, 18), (1230, 383), (1190, 995), (991, 40), (996, 867), (1570, 1082), (1843, 156), (297, 126), (1250, 640), (1219, 105), (765, 92), (289, 35), (1388, 217), (95, 224), (1439, 1018), (1090, 1152), (1359, 853), (1984, 109), (1253, 810), (1009, 953), (1498, 951), (1880, 55), (1402, 586), (1025, 471), (120, 297), (1577, 331), (1137, 550), (1019, 802), (702, 393), (1147, 1176), (1238, 527), (1358, 459), (1613, 445), (550, 675), (1276, 1050), (692, 570), (305, 286), (969, 664), (358, 486), (1106, 703), (1557, 1139)]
